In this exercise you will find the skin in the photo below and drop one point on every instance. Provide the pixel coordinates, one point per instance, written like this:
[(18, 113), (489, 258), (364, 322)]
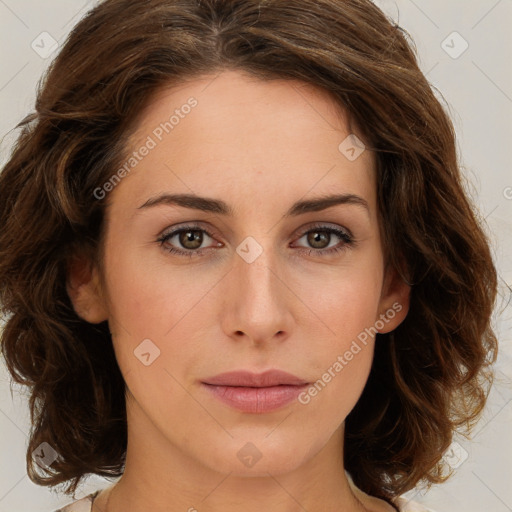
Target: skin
[(259, 146)]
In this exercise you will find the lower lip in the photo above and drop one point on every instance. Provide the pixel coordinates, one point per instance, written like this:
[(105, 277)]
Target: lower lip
[(256, 400)]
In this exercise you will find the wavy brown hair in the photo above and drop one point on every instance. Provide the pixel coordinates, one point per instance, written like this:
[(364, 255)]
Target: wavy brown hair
[(430, 377)]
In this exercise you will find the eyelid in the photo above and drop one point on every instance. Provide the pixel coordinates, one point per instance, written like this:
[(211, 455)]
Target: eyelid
[(192, 226), (324, 225)]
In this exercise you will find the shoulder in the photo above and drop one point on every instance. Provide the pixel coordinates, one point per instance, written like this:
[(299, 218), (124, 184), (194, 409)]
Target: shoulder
[(405, 505), (401, 502), (82, 505)]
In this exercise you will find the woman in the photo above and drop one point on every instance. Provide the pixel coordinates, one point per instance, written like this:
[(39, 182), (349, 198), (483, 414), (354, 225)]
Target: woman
[(238, 263)]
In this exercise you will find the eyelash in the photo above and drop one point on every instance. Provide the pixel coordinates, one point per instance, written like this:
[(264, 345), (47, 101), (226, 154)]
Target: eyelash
[(345, 236)]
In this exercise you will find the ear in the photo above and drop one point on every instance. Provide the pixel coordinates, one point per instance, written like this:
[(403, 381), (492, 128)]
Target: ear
[(394, 301), (84, 290)]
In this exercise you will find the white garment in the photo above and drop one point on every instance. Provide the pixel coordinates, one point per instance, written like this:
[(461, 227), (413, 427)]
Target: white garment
[(402, 503)]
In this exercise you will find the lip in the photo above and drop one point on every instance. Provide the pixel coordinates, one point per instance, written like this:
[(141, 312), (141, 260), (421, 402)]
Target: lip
[(255, 393), (256, 380)]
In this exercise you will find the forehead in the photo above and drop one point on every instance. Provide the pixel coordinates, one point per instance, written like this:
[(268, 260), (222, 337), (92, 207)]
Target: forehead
[(281, 138)]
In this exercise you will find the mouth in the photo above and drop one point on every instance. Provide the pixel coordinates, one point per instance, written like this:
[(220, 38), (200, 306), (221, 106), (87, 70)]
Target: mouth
[(255, 393)]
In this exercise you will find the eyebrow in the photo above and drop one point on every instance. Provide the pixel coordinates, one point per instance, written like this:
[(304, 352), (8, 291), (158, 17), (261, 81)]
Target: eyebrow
[(218, 206)]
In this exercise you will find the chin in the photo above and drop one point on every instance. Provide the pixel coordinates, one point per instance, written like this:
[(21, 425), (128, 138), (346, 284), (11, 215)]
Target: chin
[(260, 456)]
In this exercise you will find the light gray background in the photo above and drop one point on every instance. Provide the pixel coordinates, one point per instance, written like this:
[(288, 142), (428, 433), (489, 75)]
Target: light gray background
[(477, 88)]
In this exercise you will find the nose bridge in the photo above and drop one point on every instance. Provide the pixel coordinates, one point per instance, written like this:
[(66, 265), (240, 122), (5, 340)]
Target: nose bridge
[(256, 267), (259, 306)]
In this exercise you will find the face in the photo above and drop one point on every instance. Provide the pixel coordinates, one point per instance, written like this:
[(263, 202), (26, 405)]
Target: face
[(265, 285)]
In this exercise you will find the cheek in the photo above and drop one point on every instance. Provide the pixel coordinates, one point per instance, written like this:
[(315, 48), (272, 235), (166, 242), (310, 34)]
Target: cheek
[(136, 304), (347, 302), (342, 357), (161, 310), (142, 292)]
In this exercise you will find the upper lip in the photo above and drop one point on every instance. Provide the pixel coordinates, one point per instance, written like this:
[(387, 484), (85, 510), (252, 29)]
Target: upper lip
[(255, 380)]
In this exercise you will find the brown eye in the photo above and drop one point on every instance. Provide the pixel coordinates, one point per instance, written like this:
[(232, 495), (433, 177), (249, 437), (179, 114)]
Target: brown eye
[(318, 239), (191, 239), (188, 243)]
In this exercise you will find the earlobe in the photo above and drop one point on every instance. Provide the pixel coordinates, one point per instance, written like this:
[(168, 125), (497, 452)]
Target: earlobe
[(394, 302), (84, 291)]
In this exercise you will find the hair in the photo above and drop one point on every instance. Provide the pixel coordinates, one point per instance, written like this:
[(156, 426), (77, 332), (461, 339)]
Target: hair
[(429, 377)]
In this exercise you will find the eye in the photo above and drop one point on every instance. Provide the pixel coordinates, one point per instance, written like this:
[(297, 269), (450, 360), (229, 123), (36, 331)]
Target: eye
[(320, 236), (191, 238)]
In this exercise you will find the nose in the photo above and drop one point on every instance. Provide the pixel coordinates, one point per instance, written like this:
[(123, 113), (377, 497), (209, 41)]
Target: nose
[(259, 301)]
